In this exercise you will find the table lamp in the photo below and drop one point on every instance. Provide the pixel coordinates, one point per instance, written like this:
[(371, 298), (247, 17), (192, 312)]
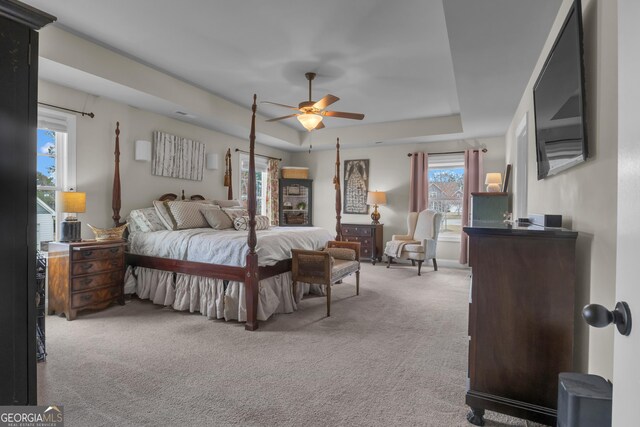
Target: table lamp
[(493, 182), (71, 202), (376, 198)]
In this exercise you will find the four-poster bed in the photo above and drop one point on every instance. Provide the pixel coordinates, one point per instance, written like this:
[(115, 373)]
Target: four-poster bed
[(251, 273)]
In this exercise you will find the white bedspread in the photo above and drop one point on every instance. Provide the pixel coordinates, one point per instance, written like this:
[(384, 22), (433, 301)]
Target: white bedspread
[(227, 247)]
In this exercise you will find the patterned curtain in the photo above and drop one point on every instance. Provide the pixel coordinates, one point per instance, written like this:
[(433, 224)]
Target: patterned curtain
[(472, 183), (272, 190)]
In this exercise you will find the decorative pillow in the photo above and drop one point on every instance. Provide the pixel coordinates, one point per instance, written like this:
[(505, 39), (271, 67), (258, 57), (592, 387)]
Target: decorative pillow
[(228, 203), (183, 215), (342, 253), (242, 223), (235, 213), (216, 217), (145, 220)]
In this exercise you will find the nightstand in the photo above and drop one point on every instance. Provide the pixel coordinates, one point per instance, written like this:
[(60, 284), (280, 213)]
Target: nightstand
[(85, 275), (370, 238)]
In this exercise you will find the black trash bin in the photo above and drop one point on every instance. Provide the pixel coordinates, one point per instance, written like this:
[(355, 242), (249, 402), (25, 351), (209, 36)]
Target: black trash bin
[(584, 400)]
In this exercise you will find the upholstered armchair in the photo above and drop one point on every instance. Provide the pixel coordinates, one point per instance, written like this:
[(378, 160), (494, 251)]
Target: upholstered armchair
[(420, 242), (326, 267)]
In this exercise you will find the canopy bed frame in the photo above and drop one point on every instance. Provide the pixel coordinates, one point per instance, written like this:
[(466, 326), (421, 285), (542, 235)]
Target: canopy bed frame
[(251, 273)]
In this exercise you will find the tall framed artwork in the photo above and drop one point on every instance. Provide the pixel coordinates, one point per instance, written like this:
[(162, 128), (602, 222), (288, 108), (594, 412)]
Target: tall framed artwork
[(356, 186)]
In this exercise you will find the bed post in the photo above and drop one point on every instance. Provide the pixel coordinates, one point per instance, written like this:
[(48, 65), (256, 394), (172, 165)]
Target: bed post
[(251, 269), (115, 195), (230, 189), (336, 182)]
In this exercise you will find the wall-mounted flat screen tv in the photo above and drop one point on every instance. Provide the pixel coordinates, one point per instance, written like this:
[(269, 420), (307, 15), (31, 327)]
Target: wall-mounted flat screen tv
[(559, 101)]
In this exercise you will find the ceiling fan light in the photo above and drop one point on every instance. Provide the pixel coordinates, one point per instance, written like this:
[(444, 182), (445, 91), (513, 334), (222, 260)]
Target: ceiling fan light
[(309, 120)]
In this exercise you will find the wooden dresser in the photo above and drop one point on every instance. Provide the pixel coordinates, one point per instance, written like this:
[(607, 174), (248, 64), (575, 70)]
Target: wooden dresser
[(370, 238), (85, 275), (521, 314)]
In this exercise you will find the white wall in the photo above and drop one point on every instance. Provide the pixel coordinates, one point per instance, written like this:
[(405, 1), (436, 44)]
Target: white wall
[(585, 195), (388, 171), (95, 161)]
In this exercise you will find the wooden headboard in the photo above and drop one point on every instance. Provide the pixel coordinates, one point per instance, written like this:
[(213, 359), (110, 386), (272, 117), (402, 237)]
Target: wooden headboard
[(171, 197)]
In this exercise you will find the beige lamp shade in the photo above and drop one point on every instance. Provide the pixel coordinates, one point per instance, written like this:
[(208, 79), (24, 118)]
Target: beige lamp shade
[(493, 182), (73, 202), (309, 120), (377, 198)]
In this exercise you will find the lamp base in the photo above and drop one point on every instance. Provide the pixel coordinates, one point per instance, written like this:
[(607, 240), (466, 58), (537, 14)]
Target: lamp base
[(493, 188), (375, 215), (70, 231)]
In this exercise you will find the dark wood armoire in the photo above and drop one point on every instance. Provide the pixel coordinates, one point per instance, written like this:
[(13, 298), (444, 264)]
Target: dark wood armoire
[(18, 122)]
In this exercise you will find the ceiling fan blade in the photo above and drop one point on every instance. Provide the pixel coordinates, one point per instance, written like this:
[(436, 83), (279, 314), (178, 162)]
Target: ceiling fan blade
[(280, 118), (325, 102), (354, 116), (279, 105), (320, 126)]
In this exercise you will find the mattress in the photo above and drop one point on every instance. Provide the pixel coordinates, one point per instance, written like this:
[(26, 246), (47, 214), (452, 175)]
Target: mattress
[(227, 247)]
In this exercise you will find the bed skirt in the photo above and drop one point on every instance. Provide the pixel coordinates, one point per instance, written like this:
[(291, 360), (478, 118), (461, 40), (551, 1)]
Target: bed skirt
[(210, 297)]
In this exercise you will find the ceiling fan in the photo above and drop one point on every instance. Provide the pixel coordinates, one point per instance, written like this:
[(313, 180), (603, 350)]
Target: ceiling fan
[(312, 112)]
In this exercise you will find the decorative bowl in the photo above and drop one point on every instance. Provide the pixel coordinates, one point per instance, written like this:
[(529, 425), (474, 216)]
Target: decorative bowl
[(103, 234)]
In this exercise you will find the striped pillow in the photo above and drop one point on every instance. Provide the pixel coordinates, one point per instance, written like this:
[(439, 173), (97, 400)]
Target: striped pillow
[(185, 215), (241, 223)]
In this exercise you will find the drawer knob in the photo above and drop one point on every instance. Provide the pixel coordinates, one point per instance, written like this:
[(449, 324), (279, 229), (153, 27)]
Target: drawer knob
[(86, 281), (87, 253), (86, 266), (114, 250), (86, 297)]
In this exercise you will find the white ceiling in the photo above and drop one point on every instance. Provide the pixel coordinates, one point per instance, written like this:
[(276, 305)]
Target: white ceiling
[(407, 59)]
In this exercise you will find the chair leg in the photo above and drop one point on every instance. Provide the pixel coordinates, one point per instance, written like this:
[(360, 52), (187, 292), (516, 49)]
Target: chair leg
[(358, 282), (329, 300), (435, 265), (419, 266), (413, 262), (389, 259)]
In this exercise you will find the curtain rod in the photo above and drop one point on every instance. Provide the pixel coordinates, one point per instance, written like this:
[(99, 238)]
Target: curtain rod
[(68, 109), (484, 150), (259, 155)]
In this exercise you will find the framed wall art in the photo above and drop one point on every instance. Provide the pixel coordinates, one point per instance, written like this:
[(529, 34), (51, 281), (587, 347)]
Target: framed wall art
[(356, 186), (177, 157)]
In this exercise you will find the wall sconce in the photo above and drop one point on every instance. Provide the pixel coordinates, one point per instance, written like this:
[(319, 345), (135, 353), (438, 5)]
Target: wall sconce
[(493, 182), (213, 161), (143, 151)]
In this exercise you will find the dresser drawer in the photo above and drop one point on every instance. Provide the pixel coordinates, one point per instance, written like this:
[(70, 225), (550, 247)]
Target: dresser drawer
[(354, 230), (97, 296), (89, 267), (92, 252), (96, 281)]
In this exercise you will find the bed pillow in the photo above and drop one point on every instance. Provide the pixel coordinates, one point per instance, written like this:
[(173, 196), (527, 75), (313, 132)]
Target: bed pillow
[(145, 220), (163, 214), (216, 217), (181, 215), (342, 253), (242, 223), (228, 203)]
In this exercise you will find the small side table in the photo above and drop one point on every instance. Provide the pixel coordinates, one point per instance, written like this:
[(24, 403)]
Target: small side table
[(84, 275), (369, 236)]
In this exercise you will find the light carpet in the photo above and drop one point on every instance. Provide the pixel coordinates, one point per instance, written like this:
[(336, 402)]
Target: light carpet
[(394, 356)]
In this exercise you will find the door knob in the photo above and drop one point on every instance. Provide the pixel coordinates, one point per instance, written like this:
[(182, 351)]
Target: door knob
[(598, 316)]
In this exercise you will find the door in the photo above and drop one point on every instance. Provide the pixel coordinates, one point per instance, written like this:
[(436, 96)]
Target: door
[(626, 375)]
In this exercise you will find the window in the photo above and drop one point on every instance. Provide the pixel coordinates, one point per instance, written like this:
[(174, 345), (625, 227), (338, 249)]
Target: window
[(446, 178), (261, 183), (55, 169)]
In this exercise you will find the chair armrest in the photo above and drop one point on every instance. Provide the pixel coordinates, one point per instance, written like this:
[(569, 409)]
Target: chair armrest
[(401, 237), (346, 245), (311, 266)]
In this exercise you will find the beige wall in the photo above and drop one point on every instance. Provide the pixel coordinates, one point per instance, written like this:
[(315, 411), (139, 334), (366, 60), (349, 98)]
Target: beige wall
[(95, 161), (585, 195), (388, 171)]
